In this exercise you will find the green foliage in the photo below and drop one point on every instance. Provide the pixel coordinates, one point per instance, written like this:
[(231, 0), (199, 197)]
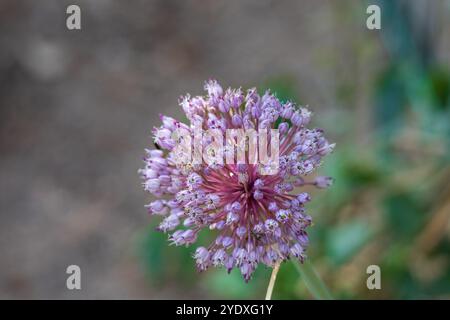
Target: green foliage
[(165, 263), (344, 241), (284, 87), (404, 215)]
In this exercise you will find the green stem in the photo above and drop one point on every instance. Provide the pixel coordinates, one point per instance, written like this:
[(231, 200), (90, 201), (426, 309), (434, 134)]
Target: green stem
[(312, 281)]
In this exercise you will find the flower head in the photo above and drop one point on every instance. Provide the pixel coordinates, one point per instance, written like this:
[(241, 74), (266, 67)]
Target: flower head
[(256, 216)]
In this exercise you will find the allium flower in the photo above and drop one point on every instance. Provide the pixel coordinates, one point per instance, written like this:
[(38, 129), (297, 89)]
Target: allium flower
[(256, 218)]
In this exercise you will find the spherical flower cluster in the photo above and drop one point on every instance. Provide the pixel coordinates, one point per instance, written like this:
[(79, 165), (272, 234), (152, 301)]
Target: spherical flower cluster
[(256, 218)]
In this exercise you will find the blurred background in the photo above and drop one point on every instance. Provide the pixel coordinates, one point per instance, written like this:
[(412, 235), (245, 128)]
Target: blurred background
[(77, 109)]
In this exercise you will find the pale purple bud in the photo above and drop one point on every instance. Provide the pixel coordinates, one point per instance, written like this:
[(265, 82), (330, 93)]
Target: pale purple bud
[(308, 166), (212, 201), (171, 222), (283, 128), (246, 271), (164, 179), (323, 182), (264, 124), (188, 222), (224, 106), (288, 110), (155, 153), (295, 204), (189, 236), (194, 180), (253, 259), (303, 197), (227, 242), (220, 225), (273, 207), (296, 118), (201, 255), (258, 184), (248, 123), (297, 251), (258, 195), (229, 264), (271, 257), (236, 120), (157, 207), (299, 182), (283, 215), (151, 185), (271, 225), (219, 257), (327, 149), (168, 122), (235, 206), (258, 228), (148, 173), (213, 88), (241, 231), (256, 111), (240, 256), (284, 249), (177, 237), (288, 187), (306, 116), (232, 218), (302, 238)]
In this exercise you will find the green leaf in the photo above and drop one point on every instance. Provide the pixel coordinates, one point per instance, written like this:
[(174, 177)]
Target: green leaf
[(312, 281)]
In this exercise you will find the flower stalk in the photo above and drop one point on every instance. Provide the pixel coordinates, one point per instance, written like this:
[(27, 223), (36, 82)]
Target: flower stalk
[(273, 278)]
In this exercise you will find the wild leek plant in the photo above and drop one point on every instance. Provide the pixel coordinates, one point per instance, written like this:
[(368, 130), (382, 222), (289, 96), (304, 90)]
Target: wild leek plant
[(252, 210)]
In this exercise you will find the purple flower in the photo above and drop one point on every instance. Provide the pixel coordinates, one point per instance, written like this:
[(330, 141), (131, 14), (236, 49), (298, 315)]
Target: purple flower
[(194, 180), (303, 197), (323, 182), (273, 207), (259, 183), (283, 127), (287, 110), (256, 218), (282, 215), (258, 195), (236, 120), (157, 207), (213, 88)]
